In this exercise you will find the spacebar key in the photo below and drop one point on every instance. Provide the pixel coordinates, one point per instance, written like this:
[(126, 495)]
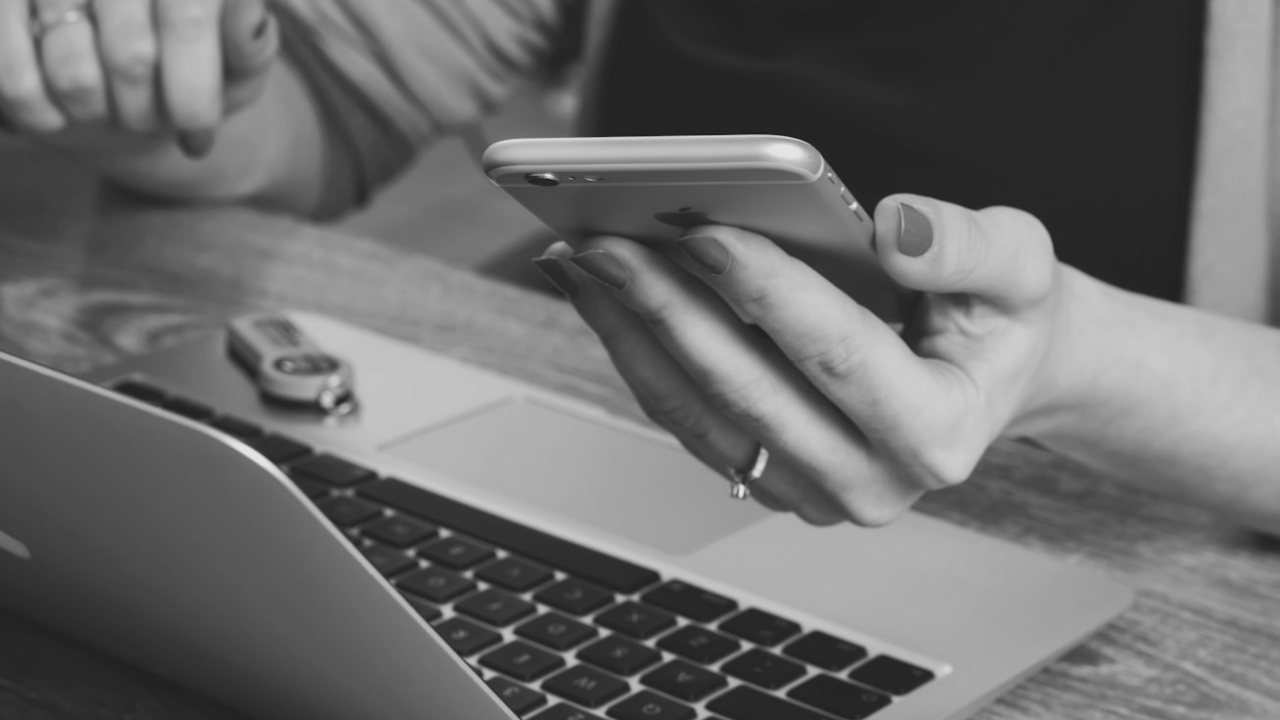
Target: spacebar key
[(747, 703), (610, 572)]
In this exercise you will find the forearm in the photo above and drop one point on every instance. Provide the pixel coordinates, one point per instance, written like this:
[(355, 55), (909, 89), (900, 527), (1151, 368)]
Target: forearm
[(272, 154), (1168, 397)]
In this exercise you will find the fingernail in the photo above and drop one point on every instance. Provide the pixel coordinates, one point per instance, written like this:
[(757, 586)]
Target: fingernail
[(915, 232), (196, 143), (559, 277), (710, 254), (603, 267)]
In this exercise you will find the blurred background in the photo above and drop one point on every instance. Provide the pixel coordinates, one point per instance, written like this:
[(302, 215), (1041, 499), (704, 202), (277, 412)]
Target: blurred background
[(443, 206)]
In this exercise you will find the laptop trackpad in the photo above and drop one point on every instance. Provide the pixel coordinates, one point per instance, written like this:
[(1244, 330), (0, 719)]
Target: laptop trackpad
[(592, 472)]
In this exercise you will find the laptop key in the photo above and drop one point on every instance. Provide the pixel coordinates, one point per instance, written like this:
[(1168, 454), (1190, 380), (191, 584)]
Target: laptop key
[(747, 703), (764, 669), (141, 391), (331, 470), (495, 607), (760, 627), (586, 686), (399, 531), (646, 705), (236, 427), (690, 601), (891, 675), (842, 699), (825, 651), (699, 644), (556, 631), (512, 573), (346, 511), (189, 409), (426, 610), (521, 661), (456, 552), (604, 570), (574, 596), (435, 584), (638, 621), (312, 489), (619, 655), (387, 560), (519, 698), (565, 712), (684, 681), (277, 448), (465, 637)]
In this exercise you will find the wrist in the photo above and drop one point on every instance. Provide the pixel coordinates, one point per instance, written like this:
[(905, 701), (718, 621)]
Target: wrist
[(1080, 313)]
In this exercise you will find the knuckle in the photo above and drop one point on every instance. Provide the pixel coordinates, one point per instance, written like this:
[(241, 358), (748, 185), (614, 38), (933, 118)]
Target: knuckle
[(819, 516), (133, 61), (852, 502), (944, 467), (962, 269), (742, 401), (755, 303), (871, 514), (657, 315), (679, 416), (1033, 245), (835, 361), (185, 18)]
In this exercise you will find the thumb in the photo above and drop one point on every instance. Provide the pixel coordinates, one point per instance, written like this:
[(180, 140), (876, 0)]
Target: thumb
[(999, 254), (250, 39)]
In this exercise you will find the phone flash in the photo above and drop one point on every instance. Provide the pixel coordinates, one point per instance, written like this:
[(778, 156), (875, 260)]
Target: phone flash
[(592, 178)]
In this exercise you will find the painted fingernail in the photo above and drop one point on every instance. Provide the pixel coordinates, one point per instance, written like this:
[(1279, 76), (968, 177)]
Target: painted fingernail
[(196, 143), (559, 277), (710, 254), (915, 232), (603, 267)]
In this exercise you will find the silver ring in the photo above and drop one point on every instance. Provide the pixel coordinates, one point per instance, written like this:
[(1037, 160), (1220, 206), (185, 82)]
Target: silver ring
[(740, 480), (43, 23)]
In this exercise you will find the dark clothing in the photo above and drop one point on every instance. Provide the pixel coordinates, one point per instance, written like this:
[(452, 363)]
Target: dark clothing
[(1082, 112)]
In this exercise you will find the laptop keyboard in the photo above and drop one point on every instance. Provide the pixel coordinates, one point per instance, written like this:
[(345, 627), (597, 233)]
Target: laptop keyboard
[(560, 631)]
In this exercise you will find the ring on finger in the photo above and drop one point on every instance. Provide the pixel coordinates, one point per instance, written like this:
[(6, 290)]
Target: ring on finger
[(44, 21), (741, 480)]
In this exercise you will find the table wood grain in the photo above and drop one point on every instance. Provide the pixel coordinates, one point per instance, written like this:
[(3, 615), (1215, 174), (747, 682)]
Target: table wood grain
[(87, 278)]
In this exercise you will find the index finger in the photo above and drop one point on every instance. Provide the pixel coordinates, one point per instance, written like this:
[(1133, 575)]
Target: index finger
[(191, 62), (856, 360)]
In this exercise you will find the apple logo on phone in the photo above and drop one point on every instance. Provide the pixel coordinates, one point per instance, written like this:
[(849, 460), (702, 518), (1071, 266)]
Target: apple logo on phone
[(684, 218)]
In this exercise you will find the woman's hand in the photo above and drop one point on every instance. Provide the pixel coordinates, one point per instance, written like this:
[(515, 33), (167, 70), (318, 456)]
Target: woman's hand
[(859, 420), (93, 75)]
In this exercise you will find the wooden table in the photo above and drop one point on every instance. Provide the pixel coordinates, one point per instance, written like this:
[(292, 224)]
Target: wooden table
[(86, 280)]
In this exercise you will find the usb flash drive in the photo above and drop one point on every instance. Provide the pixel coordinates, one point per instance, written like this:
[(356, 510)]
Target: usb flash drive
[(288, 366)]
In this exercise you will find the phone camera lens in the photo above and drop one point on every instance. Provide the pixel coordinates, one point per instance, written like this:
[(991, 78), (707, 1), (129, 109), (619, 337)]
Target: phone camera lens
[(542, 179)]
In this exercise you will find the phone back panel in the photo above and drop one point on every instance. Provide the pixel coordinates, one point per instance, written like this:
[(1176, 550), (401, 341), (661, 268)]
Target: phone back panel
[(653, 189)]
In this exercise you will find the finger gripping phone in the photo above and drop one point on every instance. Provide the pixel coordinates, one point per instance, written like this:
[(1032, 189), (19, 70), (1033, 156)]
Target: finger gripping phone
[(652, 189)]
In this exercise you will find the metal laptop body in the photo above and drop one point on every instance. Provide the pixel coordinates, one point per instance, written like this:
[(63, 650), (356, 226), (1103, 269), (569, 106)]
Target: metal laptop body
[(182, 551)]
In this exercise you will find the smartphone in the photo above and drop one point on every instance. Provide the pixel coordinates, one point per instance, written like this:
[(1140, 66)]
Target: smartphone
[(651, 189)]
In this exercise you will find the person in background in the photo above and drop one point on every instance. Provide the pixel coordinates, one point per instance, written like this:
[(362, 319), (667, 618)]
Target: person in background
[(1134, 134)]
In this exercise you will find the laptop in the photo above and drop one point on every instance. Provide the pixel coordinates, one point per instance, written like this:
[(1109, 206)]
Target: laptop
[(467, 545)]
